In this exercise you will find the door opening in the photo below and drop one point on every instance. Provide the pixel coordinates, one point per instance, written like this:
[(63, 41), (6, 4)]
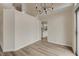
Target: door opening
[(44, 28)]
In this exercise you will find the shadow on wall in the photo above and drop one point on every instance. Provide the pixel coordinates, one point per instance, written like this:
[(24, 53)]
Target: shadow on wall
[(18, 6)]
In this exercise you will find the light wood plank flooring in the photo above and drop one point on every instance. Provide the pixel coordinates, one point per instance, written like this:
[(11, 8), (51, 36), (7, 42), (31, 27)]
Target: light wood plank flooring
[(41, 48)]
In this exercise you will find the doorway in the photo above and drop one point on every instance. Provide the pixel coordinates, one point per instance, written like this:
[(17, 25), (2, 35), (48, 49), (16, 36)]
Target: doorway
[(44, 32)]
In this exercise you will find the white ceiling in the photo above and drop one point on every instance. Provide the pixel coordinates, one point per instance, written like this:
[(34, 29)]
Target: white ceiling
[(57, 7)]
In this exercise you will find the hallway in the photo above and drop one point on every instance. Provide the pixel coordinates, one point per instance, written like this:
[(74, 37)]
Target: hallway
[(41, 48)]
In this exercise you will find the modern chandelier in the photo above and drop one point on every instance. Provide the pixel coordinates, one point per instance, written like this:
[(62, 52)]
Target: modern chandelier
[(44, 7)]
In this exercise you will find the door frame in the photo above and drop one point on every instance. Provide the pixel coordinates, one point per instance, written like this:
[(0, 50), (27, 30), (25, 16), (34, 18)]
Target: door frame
[(76, 32)]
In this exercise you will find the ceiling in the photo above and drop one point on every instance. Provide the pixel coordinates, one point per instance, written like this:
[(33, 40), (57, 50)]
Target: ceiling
[(31, 7)]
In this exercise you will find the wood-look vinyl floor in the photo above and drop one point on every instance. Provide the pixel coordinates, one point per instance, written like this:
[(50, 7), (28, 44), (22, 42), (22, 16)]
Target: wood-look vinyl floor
[(41, 48)]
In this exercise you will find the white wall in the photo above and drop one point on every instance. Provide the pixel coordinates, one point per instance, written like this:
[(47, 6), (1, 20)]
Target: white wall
[(18, 30), (8, 30), (27, 30), (6, 27), (1, 26), (60, 27)]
